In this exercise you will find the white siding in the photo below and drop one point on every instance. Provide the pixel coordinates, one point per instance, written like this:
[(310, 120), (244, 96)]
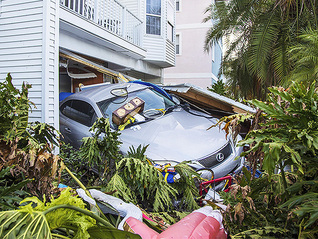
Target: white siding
[(29, 49), (159, 49), (50, 73), (132, 5), (170, 52)]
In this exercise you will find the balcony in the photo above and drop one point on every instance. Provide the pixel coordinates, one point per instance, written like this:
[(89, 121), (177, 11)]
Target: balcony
[(110, 15)]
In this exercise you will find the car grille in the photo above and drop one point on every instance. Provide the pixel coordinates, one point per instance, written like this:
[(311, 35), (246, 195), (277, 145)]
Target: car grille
[(212, 160)]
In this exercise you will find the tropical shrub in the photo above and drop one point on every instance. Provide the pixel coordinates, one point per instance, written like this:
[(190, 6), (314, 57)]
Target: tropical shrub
[(26, 146), (218, 87), (284, 145), (260, 34), (63, 217)]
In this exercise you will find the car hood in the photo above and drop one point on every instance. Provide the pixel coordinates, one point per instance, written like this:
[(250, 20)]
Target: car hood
[(177, 136)]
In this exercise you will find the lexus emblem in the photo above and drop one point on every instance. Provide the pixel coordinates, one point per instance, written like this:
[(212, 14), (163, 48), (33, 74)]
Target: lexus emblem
[(220, 157)]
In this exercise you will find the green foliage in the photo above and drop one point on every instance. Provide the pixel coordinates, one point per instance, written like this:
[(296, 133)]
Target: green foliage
[(14, 109), (122, 190), (64, 217), (218, 87), (26, 146), (253, 208), (145, 183), (137, 180), (284, 135), (305, 56), (14, 114), (102, 150), (264, 30), (170, 217), (291, 128), (186, 187), (11, 190)]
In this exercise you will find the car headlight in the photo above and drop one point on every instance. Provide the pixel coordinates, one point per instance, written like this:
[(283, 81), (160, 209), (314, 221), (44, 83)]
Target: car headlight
[(206, 174)]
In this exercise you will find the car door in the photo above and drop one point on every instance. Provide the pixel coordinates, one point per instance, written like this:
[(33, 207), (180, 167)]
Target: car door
[(76, 119)]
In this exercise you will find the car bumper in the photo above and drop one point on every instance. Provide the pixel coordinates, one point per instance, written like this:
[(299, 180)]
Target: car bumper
[(233, 164)]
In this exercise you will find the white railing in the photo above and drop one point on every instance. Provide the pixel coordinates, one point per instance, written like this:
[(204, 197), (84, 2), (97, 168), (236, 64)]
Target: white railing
[(110, 15)]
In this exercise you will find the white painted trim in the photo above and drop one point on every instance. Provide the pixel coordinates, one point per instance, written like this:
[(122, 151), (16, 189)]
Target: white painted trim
[(45, 53), (194, 26), (57, 68)]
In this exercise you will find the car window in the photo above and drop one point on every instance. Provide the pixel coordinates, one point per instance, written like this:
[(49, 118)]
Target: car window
[(152, 99), (79, 111)]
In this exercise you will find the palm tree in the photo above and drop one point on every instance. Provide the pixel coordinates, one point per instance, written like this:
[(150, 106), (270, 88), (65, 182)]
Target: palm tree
[(305, 55), (264, 30)]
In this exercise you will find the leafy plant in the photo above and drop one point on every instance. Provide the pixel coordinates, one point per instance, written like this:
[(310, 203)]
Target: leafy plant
[(11, 190), (284, 141), (102, 150), (305, 56), (218, 87), (185, 185), (145, 183), (26, 146), (63, 217), (264, 31), (14, 110)]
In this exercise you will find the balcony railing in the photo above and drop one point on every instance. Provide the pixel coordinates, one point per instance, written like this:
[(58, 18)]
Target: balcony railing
[(110, 15)]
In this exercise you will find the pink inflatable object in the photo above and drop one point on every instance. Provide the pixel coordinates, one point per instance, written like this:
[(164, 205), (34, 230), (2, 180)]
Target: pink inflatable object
[(204, 223)]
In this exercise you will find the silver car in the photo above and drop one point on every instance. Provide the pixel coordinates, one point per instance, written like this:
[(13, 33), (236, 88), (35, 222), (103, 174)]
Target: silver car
[(174, 132)]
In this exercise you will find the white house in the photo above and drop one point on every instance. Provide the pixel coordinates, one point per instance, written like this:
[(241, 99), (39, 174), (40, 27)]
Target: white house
[(56, 44), (193, 64)]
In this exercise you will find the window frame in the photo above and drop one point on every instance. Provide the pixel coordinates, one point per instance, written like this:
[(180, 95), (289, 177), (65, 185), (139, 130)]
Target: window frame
[(178, 37), (154, 16), (178, 5)]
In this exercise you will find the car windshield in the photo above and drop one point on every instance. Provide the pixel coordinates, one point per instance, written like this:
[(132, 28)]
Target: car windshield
[(155, 104)]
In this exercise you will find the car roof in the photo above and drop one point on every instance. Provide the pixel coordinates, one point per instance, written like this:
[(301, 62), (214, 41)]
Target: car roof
[(102, 92)]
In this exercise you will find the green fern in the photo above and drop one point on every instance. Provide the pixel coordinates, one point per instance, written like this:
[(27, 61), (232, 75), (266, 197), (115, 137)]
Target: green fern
[(186, 186), (145, 181), (120, 189)]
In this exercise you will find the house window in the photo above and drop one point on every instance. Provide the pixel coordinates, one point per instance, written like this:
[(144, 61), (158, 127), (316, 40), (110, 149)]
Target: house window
[(153, 17), (177, 44), (177, 5)]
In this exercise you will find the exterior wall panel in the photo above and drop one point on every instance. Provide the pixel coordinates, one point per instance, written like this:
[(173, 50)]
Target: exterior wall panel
[(193, 64), (28, 46)]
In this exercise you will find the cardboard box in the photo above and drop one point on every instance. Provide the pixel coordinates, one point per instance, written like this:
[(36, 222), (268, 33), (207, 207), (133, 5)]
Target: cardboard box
[(131, 108)]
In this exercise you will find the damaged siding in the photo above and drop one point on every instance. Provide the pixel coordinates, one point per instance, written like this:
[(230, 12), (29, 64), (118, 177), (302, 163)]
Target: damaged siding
[(29, 49)]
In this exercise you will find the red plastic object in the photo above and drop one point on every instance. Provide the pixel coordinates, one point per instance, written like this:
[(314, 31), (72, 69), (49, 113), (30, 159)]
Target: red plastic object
[(216, 181)]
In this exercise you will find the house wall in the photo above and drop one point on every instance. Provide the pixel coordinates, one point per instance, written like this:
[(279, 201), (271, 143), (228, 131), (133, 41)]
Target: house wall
[(29, 51), (133, 6), (193, 64), (33, 31), (160, 50)]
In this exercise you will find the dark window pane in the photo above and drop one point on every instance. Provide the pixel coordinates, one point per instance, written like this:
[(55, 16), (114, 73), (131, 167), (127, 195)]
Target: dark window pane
[(153, 25), (177, 5), (170, 31), (79, 111)]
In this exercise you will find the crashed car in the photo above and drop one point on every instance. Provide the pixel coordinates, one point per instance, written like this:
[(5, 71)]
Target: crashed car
[(147, 115)]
